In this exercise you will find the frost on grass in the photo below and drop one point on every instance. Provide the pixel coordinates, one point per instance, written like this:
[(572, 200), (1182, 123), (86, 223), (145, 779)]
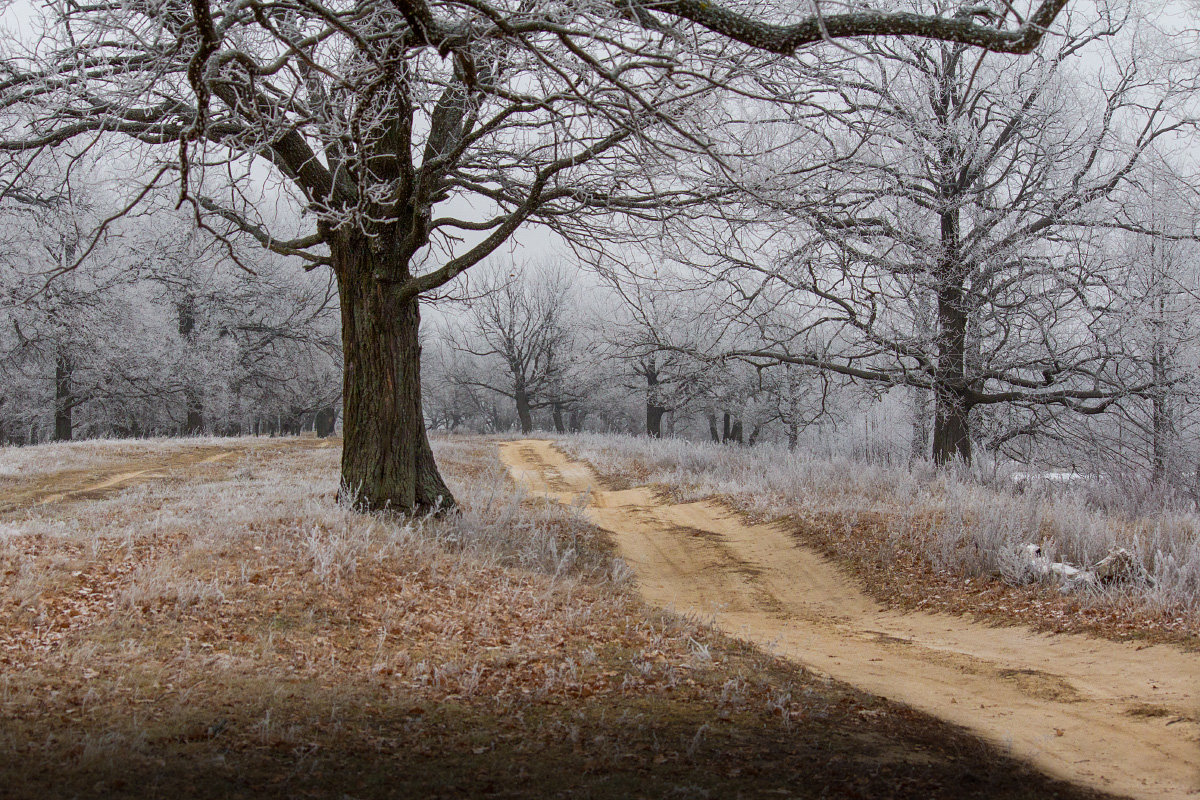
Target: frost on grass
[(260, 595), (45, 459), (234, 630), (956, 527), (268, 542)]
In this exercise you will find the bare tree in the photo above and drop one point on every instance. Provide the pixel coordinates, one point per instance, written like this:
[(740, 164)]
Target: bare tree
[(649, 335), (954, 239), (520, 336), (373, 117)]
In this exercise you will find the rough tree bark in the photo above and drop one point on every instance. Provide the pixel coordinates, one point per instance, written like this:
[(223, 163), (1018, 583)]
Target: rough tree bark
[(387, 462), (951, 431), (64, 397), (952, 407)]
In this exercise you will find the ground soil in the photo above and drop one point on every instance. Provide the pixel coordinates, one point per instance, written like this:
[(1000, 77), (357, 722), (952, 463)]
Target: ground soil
[(1121, 717), (411, 672), (180, 463)]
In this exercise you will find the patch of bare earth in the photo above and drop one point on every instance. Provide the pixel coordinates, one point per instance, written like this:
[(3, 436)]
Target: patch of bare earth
[(240, 634), (1076, 706)]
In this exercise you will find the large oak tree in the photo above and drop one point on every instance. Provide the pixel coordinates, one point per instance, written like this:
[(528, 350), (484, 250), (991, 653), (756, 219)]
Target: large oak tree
[(416, 136)]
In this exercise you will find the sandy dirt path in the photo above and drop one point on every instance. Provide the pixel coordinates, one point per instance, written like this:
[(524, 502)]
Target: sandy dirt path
[(1124, 718), (107, 478)]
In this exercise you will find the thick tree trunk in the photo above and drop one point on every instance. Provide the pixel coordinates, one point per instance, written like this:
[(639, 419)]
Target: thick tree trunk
[(952, 408), (64, 399), (654, 408), (524, 413), (559, 425), (713, 431), (654, 417), (951, 429), (735, 431), (387, 463), (325, 422)]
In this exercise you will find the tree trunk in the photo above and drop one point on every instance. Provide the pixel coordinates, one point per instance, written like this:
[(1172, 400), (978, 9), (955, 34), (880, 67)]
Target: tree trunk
[(524, 414), (325, 422), (654, 409), (793, 405), (186, 311), (1162, 423), (559, 425), (755, 432), (194, 425), (64, 400), (951, 429), (654, 417), (713, 431), (387, 463)]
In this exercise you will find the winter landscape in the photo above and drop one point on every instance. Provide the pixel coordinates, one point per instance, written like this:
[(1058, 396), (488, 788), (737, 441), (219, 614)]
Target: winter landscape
[(599, 398)]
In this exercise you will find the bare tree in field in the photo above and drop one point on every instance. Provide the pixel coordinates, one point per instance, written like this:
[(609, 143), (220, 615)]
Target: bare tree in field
[(521, 333), (955, 241), (649, 334), (1158, 327), (417, 137)]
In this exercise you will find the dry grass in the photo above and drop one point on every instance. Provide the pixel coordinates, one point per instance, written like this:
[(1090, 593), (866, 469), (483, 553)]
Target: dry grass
[(243, 635), (55, 458), (923, 538)]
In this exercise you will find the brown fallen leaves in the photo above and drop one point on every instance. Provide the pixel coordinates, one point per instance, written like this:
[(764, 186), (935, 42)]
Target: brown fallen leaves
[(244, 636)]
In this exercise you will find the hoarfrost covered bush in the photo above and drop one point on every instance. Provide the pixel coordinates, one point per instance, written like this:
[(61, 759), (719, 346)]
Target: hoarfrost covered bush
[(968, 522)]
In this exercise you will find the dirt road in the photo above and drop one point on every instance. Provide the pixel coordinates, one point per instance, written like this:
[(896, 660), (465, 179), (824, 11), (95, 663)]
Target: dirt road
[(180, 461), (1120, 717)]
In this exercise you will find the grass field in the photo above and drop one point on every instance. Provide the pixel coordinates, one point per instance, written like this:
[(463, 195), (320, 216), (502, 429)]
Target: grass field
[(220, 627)]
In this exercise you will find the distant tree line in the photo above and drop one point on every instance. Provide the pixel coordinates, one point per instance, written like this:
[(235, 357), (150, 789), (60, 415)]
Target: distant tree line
[(159, 329)]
